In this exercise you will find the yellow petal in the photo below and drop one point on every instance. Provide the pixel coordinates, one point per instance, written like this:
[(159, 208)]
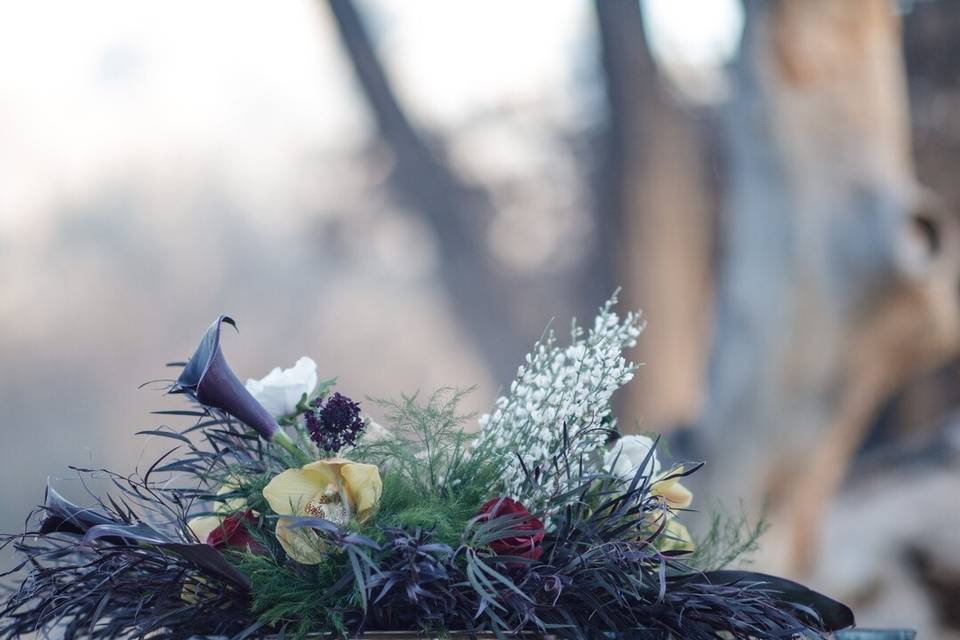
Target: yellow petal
[(231, 484), (288, 492), (301, 543), (363, 486), (328, 469), (330, 462), (675, 536), (676, 495), (202, 526), (193, 589)]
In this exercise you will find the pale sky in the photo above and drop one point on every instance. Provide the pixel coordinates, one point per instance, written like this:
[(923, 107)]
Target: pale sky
[(93, 90)]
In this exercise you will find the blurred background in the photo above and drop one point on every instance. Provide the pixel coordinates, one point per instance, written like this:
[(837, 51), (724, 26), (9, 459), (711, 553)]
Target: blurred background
[(409, 191)]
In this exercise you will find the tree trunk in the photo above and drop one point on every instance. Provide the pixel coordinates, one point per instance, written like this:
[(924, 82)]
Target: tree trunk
[(839, 274), (932, 56), (656, 218)]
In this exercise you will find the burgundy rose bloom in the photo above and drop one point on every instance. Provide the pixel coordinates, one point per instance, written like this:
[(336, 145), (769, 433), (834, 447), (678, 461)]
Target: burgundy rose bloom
[(233, 533), (526, 545)]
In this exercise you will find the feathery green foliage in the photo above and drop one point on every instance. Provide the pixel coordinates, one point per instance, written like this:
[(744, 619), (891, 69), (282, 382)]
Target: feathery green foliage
[(299, 600), (429, 480), (727, 540)]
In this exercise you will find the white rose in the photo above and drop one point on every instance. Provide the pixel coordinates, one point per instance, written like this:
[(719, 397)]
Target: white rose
[(626, 456), (281, 389)]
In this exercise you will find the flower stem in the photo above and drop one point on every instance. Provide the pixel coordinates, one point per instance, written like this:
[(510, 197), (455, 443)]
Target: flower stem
[(285, 441)]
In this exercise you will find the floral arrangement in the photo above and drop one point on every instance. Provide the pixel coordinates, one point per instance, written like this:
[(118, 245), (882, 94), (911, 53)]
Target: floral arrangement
[(284, 510)]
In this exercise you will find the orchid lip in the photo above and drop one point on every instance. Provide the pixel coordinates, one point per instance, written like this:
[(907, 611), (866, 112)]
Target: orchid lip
[(210, 381)]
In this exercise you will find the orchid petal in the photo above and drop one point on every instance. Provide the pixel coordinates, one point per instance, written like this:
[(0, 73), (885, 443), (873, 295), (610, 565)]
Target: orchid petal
[(330, 468), (301, 543), (291, 490), (364, 487), (677, 537), (669, 488)]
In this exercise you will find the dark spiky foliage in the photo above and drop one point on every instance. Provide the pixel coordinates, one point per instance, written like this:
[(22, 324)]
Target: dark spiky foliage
[(129, 565), (118, 592), (120, 577), (411, 589), (600, 574), (602, 571)]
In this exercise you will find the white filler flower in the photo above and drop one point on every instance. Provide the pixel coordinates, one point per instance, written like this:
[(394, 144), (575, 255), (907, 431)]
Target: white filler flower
[(281, 389), (560, 393), (626, 456)]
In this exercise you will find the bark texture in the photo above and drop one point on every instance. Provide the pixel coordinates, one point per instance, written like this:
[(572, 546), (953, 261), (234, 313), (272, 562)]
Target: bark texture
[(839, 278), (657, 220)]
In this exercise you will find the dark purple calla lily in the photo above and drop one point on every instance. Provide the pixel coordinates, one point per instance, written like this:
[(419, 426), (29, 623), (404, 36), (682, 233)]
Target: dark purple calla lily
[(62, 516), (209, 379)]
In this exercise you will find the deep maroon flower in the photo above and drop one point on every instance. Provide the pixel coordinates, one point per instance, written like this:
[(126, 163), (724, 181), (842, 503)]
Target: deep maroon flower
[(525, 545), (235, 534), (334, 424)]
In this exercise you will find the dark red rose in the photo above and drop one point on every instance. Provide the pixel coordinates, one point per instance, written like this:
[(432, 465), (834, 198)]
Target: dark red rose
[(234, 533), (526, 545)]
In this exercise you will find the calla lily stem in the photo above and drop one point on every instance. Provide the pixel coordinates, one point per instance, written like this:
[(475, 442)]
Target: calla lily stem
[(281, 438)]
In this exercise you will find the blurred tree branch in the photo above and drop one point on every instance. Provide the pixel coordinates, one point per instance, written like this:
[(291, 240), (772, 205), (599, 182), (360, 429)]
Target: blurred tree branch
[(455, 210)]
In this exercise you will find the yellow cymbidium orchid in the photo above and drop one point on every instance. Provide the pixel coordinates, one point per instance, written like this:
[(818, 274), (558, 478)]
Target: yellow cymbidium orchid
[(203, 525), (335, 489), (668, 487), (675, 537), (675, 496)]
